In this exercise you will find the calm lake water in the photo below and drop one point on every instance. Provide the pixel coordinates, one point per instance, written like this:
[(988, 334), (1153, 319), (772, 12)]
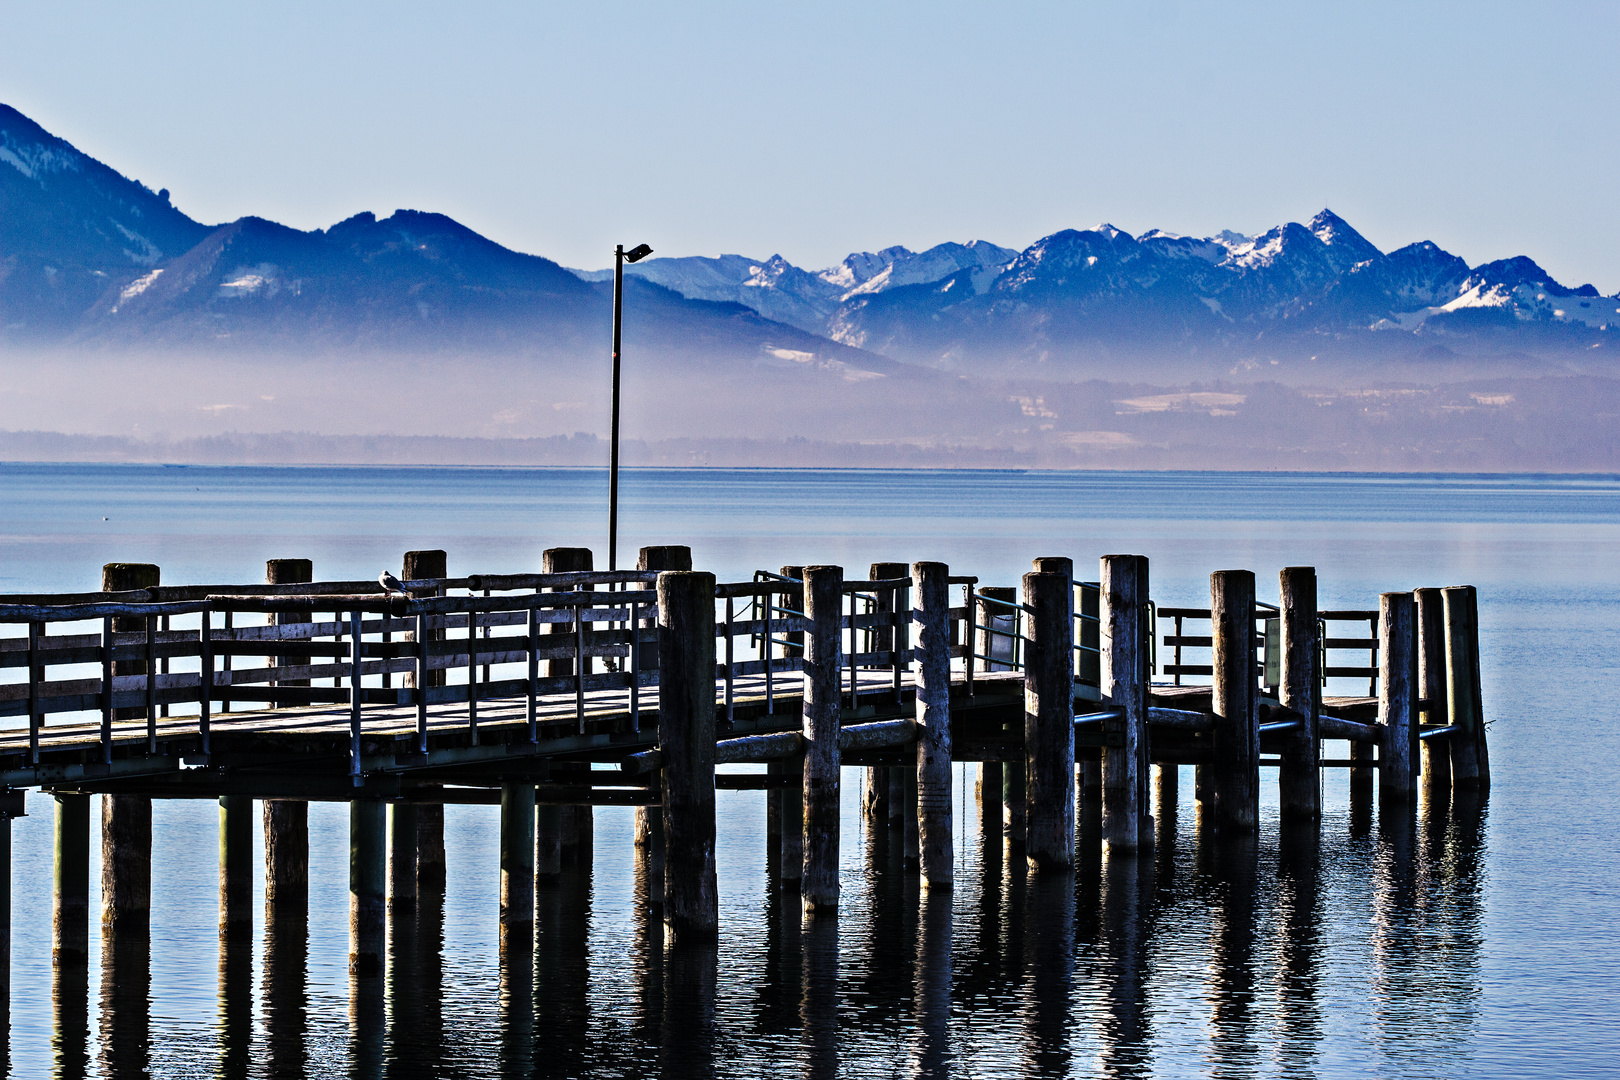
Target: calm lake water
[(1483, 941)]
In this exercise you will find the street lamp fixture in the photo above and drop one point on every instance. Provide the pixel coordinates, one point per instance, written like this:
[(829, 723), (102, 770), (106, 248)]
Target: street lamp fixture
[(620, 257)]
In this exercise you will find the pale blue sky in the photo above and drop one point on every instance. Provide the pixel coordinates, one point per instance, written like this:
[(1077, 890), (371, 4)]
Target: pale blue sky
[(814, 129)]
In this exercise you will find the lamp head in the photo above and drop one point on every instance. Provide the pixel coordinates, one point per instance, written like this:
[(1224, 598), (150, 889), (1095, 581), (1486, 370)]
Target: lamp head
[(637, 253)]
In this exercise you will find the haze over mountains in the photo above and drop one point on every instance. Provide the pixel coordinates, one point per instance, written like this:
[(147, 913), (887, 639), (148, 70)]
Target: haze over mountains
[(120, 315)]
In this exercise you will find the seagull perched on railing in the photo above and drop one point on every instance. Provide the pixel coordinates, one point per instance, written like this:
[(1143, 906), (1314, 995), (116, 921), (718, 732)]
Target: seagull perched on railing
[(391, 584)]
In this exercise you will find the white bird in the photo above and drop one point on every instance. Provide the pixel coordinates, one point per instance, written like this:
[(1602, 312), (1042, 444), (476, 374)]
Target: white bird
[(391, 584)]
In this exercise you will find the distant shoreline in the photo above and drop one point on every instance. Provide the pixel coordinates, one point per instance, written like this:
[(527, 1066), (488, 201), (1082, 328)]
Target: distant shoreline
[(586, 451)]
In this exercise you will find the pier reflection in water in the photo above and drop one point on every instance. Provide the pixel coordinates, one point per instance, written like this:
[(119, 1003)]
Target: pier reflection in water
[(1226, 957)]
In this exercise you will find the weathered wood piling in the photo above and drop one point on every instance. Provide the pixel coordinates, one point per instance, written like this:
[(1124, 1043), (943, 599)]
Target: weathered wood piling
[(823, 660), (1237, 736), (686, 740), (1125, 688), (1300, 691), (1049, 722), (936, 849)]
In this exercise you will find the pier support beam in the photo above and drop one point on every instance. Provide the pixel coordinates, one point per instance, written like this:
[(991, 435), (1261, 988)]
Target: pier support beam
[(686, 739), (650, 819), (235, 865), (403, 828), (126, 863), (1049, 722), (1397, 697), (1125, 686), (1300, 689), (70, 909), (368, 874), (1237, 736), (286, 857), (990, 802), (823, 661), (1470, 761), (875, 797), (936, 849), (1431, 634), (517, 854)]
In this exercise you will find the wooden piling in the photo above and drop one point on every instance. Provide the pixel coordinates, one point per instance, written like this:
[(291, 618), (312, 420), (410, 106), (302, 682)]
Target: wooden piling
[(1470, 761), (875, 797), (577, 822), (1361, 776), (1125, 687), (649, 819), (1431, 632), (1049, 721), (429, 849), (6, 814), (517, 854), (1237, 735), (235, 865), (368, 873), (126, 820), (420, 566), (1300, 689), (936, 847), (790, 825), (1397, 696), (286, 856), (686, 725), (403, 828), (990, 801), (548, 842), (70, 910), (823, 662), (126, 863)]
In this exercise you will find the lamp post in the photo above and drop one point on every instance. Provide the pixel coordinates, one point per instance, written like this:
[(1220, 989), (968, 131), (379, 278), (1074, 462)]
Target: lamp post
[(620, 257)]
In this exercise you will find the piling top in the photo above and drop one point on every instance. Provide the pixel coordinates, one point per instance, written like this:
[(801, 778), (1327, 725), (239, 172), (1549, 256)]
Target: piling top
[(420, 565), (288, 571), (562, 560), (663, 557), (125, 576)]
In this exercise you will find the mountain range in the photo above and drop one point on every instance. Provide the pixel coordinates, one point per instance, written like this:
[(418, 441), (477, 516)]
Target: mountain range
[(121, 315), (89, 256)]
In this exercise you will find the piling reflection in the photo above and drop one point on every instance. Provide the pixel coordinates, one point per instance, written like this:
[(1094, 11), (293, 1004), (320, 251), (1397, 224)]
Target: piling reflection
[(647, 957), (286, 994), (126, 1010), (562, 965), (1230, 866), (1049, 958), (368, 1017), (777, 997), (235, 1002), (931, 1056), (818, 1006), (517, 1000), (1127, 898), (686, 1048), (1299, 947), (70, 1028)]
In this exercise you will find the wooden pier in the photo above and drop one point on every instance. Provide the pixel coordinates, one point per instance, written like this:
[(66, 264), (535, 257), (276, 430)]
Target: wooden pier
[(551, 693)]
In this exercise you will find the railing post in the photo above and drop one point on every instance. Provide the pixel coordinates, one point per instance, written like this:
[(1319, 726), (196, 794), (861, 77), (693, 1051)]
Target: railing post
[(1300, 689), (1237, 735), (1397, 696), (823, 659), (1049, 721), (1470, 761), (936, 848), (686, 738), (1125, 687), (1435, 766)]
